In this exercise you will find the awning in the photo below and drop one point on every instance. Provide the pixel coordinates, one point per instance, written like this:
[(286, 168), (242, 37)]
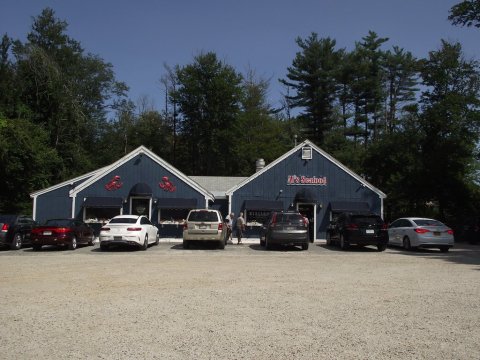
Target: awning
[(141, 189), (103, 202), (339, 206), (263, 205), (305, 195), (176, 203)]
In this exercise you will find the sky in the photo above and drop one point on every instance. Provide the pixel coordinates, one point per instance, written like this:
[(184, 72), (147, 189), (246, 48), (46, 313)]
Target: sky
[(139, 37)]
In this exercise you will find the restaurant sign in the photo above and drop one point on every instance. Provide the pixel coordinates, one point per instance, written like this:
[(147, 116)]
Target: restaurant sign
[(306, 180)]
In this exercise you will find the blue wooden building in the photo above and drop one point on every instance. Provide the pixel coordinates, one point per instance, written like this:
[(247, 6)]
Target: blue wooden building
[(305, 178)]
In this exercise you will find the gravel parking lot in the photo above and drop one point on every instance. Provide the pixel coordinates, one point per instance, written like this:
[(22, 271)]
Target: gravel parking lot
[(240, 303)]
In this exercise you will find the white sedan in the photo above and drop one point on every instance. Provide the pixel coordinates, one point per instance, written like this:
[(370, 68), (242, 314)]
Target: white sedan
[(129, 230), (420, 232)]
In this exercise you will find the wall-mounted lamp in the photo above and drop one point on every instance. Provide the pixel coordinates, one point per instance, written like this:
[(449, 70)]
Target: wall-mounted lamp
[(125, 200), (155, 200), (280, 191)]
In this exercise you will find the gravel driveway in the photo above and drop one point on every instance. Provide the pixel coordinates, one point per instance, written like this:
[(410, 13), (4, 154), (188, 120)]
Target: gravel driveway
[(240, 303)]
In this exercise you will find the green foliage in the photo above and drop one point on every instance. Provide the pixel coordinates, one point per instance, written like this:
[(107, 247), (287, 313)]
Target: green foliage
[(466, 13), (26, 161), (313, 76), (208, 98)]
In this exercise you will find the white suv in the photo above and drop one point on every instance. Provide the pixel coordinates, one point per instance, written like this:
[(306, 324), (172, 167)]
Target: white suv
[(204, 225)]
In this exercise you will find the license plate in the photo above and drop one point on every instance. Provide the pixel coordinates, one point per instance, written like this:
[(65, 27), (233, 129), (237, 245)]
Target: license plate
[(436, 233), (47, 233), (370, 231), (118, 238), (202, 227), (289, 228)]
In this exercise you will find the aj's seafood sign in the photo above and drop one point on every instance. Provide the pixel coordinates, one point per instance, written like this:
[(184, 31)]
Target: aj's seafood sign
[(306, 180)]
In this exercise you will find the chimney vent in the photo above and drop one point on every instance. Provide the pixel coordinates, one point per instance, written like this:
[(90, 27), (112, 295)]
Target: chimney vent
[(259, 165)]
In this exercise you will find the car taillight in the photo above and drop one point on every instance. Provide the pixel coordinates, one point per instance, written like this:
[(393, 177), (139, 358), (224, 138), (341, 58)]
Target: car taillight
[(105, 228), (220, 226), (185, 226), (274, 220), (62, 230), (384, 226), (5, 228), (450, 232), (134, 229), (36, 231), (421, 231), (352, 227)]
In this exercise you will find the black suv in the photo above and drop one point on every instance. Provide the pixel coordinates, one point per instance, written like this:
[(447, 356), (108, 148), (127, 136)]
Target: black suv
[(15, 230), (353, 228), (284, 228)]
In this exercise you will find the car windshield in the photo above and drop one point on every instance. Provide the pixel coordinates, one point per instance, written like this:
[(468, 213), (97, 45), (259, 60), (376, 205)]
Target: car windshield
[(203, 216), (59, 222), (428, 222), (289, 218), (367, 220), (123, 220)]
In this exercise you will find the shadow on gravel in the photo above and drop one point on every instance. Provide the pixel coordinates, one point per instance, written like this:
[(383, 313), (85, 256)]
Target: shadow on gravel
[(201, 245), (461, 253), (280, 248), (118, 249), (352, 248)]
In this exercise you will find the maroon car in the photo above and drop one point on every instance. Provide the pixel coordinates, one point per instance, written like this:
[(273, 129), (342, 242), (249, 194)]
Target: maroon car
[(63, 232)]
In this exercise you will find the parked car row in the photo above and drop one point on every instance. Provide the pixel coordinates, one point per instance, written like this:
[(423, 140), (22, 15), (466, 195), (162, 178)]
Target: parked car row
[(280, 228), (19, 230)]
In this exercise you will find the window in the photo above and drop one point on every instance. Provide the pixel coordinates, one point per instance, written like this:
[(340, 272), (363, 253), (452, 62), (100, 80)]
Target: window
[(256, 216), (93, 214), (307, 153), (173, 216)]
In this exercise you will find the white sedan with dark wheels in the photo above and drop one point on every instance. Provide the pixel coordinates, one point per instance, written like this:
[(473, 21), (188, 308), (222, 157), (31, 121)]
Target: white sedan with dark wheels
[(129, 230), (411, 233)]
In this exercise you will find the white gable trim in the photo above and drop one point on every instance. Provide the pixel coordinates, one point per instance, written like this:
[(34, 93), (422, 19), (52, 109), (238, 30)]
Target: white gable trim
[(321, 152), (68, 182), (154, 157)]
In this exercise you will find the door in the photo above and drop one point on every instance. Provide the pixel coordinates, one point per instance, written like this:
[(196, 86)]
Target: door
[(140, 206), (308, 211)]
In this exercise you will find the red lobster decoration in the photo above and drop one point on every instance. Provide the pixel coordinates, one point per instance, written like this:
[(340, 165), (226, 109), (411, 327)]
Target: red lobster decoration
[(114, 184), (166, 185)]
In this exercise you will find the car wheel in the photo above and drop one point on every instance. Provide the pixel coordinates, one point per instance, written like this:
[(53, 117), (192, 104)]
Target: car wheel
[(17, 242), (305, 246), (444, 248), (406, 243), (221, 244), (344, 245), (186, 244), (262, 242), (36, 247), (157, 239), (92, 239), (145, 243), (73, 244), (381, 247), (329, 239), (103, 247), (267, 243)]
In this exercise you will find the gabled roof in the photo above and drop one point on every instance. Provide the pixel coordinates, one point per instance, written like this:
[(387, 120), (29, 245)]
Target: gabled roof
[(141, 150), (67, 182), (321, 152), (218, 185)]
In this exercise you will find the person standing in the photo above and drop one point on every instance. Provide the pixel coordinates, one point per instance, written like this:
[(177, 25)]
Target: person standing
[(240, 228), (229, 222)]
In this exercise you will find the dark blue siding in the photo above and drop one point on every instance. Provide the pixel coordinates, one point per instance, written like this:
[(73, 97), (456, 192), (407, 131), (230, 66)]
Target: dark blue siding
[(272, 185)]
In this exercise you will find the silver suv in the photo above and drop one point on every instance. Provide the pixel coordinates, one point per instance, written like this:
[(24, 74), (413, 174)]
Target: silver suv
[(204, 225)]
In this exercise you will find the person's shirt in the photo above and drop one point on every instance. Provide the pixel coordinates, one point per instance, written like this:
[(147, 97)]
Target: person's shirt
[(240, 221), (228, 220)]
